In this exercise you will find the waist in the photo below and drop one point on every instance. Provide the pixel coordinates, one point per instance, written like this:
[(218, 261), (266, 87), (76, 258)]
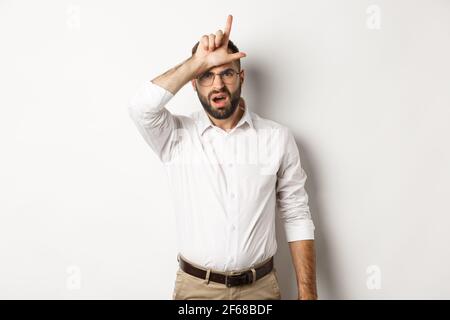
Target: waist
[(226, 269), (230, 278), (227, 255)]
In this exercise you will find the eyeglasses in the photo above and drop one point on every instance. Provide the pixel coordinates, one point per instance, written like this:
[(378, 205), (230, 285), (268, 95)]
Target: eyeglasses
[(228, 76)]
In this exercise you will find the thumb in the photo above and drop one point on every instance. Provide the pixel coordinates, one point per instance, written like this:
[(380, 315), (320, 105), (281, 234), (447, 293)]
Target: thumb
[(237, 55)]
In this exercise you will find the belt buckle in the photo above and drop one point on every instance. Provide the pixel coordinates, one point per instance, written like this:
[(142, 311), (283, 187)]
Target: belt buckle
[(243, 275)]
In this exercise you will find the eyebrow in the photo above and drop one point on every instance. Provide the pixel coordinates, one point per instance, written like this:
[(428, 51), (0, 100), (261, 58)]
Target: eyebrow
[(227, 69)]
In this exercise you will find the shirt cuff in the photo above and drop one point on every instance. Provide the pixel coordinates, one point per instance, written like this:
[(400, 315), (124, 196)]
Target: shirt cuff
[(300, 230)]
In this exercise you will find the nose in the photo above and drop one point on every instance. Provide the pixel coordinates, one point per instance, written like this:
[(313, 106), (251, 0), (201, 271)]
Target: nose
[(218, 83)]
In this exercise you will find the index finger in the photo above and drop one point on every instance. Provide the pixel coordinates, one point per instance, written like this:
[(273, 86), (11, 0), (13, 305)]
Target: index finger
[(227, 30)]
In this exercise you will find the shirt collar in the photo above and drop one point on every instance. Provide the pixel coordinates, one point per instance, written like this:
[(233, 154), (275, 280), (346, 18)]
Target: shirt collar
[(205, 122)]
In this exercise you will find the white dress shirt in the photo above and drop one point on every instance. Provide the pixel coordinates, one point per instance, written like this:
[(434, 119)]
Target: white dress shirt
[(225, 185)]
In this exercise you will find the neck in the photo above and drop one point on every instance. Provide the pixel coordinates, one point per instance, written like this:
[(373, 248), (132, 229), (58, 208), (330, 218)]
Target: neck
[(231, 122)]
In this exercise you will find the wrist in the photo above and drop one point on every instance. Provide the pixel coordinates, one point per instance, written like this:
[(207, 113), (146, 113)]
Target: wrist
[(196, 66), (307, 293)]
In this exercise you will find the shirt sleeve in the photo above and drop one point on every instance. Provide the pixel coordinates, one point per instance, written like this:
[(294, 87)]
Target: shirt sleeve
[(156, 123), (292, 198)]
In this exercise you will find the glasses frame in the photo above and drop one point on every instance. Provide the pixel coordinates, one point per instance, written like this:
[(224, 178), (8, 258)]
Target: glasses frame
[(221, 74)]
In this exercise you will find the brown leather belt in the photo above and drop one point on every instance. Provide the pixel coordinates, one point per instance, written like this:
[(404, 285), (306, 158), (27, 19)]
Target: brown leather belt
[(230, 280)]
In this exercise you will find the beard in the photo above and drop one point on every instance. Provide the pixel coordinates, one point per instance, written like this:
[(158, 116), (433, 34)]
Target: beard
[(227, 110)]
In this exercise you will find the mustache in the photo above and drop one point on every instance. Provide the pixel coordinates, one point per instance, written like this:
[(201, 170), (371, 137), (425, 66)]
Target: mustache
[(217, 92)]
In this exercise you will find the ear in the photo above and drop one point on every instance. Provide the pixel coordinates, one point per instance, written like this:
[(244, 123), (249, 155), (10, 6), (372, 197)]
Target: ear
[(194, 85), (242, 76)]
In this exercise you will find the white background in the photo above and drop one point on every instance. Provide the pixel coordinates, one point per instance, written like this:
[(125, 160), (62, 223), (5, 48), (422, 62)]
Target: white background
[(85, 210)]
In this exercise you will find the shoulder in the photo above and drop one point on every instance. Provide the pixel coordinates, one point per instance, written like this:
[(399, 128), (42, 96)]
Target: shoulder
[(267, 125)]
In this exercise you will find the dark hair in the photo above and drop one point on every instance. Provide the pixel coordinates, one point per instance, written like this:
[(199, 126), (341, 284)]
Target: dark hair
[(231, 47)]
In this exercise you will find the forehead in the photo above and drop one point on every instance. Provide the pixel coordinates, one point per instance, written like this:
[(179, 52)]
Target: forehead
[(222, 67)]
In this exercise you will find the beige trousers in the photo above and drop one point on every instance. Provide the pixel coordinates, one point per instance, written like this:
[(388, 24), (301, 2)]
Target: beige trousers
[(188, 287)]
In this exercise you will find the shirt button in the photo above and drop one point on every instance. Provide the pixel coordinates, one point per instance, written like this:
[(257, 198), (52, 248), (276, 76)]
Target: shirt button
[(233, 195), (233, 227), (230, 165)]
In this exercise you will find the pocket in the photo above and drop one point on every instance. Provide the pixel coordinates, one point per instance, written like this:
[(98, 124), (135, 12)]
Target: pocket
[(275, 284), (178, 287)]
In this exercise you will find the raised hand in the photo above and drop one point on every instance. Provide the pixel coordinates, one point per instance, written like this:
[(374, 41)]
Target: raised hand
[(212, 50)]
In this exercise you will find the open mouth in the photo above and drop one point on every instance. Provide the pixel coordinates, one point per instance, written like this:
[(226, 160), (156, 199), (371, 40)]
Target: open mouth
[(220, 100)]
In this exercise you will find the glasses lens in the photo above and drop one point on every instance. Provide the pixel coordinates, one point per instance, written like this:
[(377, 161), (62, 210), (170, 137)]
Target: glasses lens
[(206, 79), (229, 76)]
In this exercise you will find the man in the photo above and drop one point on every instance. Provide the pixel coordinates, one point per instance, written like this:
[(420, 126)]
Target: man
[(228, 169)]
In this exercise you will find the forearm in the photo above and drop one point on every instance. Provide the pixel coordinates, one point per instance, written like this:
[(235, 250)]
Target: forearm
[(175, 78), (304, 260)]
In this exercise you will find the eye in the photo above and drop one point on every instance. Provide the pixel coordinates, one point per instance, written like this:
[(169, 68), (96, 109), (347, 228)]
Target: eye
[(207, 75), (228, 73)]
